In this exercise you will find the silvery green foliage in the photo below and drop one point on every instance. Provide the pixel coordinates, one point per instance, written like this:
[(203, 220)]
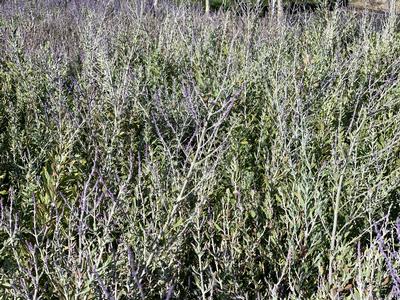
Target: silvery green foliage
[(172, 154)]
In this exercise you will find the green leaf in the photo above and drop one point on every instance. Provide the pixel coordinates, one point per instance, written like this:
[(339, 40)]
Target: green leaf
[(178, 223), (218, 227)]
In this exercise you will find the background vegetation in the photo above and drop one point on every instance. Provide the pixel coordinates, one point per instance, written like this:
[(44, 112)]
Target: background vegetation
[(179, 155)]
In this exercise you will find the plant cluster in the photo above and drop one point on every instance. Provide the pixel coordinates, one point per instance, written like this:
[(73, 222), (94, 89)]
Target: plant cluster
[(179, 155)]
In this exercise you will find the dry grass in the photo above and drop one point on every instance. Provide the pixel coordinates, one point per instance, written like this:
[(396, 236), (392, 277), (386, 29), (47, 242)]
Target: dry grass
[(375, 5)]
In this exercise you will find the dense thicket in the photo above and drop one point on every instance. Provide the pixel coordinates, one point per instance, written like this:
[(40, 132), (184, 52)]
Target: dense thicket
[(179, 155)]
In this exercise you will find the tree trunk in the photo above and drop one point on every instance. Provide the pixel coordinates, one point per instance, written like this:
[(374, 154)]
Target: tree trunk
[(272, 6), (280, 10), (207, 7)]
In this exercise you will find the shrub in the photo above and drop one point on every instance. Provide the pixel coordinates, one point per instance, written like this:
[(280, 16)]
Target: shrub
[(179, 155)]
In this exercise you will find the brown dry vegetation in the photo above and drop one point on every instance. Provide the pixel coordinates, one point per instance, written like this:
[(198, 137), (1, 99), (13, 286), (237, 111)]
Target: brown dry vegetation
[(375, 5)]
